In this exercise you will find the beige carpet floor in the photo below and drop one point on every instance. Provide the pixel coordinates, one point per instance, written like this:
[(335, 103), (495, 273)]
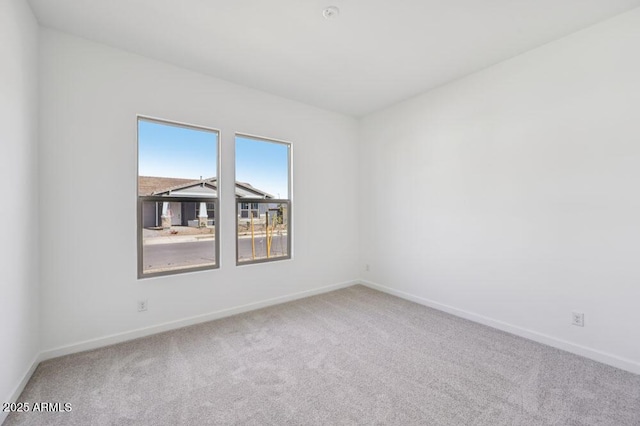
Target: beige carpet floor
[(352, 356)]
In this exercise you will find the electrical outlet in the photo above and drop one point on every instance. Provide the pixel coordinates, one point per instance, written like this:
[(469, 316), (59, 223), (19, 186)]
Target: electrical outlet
[(366, 267), (577, 318), (142, 305)]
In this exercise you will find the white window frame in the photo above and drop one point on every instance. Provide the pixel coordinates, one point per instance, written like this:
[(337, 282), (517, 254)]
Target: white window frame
[(288, 202), (149, 198)]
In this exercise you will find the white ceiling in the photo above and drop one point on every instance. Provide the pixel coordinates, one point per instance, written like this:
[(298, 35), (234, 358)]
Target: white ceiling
[(374, 54)]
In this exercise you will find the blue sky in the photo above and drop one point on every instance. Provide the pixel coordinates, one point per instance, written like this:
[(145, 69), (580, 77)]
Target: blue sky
[(263, 164), (174, 151)]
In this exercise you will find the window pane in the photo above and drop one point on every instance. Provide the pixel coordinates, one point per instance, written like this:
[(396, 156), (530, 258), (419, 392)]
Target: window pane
[(262, 186), (264, 165), (180, 162), (264, 236), (165, 247), (174, 155)]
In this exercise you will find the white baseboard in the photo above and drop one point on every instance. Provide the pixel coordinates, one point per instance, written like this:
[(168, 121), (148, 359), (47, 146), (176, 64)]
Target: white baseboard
[(172, 325), (13, 397), (596, 355)]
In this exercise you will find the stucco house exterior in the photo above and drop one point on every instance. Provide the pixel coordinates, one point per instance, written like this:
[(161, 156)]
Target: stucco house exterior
[(196, 213)]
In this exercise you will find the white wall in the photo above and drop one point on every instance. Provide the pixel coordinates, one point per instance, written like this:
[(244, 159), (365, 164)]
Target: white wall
[(511, 196), (89, 100), (19, 298)]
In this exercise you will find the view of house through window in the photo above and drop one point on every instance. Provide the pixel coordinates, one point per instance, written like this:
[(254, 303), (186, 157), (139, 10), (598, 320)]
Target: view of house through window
[(177, 197), (263, 199)]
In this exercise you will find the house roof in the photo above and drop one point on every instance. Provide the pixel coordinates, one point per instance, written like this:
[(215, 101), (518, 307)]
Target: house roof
[(156, 185), (246, 190)]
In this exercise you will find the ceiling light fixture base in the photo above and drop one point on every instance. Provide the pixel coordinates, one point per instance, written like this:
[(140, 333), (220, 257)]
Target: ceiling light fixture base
[(330, 12)]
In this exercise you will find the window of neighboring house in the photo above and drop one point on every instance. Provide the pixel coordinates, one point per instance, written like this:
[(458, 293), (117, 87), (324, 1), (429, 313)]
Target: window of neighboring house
[(245, 210), (177, 198), (211, 211), (195, 207), (263, 193)]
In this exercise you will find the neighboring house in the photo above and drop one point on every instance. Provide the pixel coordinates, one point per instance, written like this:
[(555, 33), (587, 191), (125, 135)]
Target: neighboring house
[(165, 214)]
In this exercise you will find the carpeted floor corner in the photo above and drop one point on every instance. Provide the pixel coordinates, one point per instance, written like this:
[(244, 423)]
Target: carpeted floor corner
[(352, 356)]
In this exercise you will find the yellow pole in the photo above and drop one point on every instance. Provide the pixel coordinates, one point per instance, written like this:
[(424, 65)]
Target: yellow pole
[(273, 229), (268, 240), (253, 241)]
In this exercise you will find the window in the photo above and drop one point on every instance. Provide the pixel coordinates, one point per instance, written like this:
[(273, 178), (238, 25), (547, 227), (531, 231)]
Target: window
[(245, 210), (177, 198), (263, 200)]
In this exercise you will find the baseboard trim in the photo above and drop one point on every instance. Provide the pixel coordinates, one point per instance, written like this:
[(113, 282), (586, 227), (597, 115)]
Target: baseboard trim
[(13, 397), (172, 325), (594, 354)]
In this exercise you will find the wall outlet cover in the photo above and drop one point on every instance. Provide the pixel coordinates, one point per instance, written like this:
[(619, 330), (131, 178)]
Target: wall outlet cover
[(577, 318)]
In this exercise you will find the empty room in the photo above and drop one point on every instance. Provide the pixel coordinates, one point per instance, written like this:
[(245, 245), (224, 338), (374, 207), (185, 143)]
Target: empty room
[(315, 213)]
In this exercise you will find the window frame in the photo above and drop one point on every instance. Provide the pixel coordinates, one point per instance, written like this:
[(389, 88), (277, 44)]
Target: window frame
[(288, 201), (289, 232), (141, 199)]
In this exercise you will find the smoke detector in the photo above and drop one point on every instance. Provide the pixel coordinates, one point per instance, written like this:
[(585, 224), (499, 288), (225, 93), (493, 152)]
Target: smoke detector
[(330, 12)]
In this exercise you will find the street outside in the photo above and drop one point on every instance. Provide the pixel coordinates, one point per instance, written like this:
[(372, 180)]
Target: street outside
[(189, 248)]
